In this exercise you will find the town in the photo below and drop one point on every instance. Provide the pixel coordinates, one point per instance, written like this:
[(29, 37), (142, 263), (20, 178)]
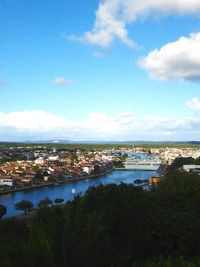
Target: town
[(23, 168), (27, 167)]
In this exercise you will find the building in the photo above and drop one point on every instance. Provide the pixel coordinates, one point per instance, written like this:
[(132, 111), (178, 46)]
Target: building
[(193, 168), (154, 180), (39, 161), (88, 169), (6, 181)]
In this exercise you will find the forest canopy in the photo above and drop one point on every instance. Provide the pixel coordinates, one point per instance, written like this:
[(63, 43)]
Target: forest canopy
[(112, 226)]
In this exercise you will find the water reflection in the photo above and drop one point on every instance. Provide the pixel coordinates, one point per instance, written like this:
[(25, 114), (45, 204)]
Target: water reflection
[(66, 191)]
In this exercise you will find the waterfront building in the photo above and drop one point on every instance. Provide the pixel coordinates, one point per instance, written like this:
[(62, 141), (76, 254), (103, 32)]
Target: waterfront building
[(88, 169), (6, 181), (154, 180), (194, 168)]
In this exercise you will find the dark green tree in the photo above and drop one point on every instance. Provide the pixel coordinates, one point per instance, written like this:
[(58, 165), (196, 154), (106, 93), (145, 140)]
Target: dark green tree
[(97, 169), (45, 203), (38, 177), (59, 200), (112, 225), (179, 162), (24, 205)]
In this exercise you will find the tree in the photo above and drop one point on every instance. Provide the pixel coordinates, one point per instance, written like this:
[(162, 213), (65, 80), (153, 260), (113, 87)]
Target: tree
[(38, 177), (44, 202), (24, 205), (179, 162), (97, 169), (59, 200), (74, 158), (3, 211), (118, 163)]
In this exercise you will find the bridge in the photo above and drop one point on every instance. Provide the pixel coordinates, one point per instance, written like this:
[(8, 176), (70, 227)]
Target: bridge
[(139, 168)]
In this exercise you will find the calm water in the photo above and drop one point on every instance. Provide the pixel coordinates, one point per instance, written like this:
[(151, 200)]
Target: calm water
[(65, 191)]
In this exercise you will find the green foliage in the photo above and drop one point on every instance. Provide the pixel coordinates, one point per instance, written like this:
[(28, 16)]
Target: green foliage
[(168, 262), (113, 225), (67, 147), (38, 177), (45, 202), (97, 169), (98, 146), (179, 162), (118, 164), (13, 243), (59, 200), (24, 205), (74, 158)]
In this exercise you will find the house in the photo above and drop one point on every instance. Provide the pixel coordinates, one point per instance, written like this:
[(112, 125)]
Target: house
[(39, 161), (154, 180), (193, 168), (6, 181), (88, 169)]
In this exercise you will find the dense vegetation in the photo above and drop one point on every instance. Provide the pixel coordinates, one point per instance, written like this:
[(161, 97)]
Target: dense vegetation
[(179, 162), (101, 146), (112, 226), (68, 147)]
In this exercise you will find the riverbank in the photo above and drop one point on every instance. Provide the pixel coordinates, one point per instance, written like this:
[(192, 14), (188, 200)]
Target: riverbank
[(66, 191), (29, 188)]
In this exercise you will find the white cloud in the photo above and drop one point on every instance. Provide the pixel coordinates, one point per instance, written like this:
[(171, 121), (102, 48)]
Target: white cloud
[(113, 17), (61, 81), (41, 125), (194, 104), (175, 60)]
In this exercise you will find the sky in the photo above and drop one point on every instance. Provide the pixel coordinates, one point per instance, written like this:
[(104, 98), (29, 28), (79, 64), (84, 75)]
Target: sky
[(120, 70)]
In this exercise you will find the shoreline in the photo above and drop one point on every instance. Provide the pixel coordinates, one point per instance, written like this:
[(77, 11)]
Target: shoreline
[(68, 181), (72, 184), (54, 183)]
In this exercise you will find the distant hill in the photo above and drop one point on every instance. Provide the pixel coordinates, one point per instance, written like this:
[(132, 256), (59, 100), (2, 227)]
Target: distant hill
[(103, 142)]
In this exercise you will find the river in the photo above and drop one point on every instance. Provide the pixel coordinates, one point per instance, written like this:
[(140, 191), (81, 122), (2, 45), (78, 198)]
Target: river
[(65, 191)]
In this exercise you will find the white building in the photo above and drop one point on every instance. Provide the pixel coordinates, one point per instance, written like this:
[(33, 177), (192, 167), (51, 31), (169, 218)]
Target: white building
[(46, 178), (6, 181), (88, 169), (53, 158), (188, 168), (39, 161)]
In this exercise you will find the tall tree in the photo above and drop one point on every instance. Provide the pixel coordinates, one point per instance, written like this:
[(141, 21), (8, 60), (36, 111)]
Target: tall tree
[(59, 200), (44, 202), (24, 205)]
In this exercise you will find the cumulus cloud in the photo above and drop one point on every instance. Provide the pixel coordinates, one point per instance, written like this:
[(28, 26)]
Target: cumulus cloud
[(194, 103), (175, 60), (38, 125), (61, 81), (114, 16)]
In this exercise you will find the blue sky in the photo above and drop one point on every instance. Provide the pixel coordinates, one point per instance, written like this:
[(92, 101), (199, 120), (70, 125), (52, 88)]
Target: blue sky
[(105, 70)]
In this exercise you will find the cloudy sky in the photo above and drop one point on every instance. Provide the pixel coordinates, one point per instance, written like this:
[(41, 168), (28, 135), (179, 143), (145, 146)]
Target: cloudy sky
[(100, 70)]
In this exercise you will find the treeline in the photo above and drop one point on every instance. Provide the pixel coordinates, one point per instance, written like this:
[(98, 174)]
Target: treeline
[(102, 146), (67, 147), (179, 162), (112, 226), (179, 145)]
